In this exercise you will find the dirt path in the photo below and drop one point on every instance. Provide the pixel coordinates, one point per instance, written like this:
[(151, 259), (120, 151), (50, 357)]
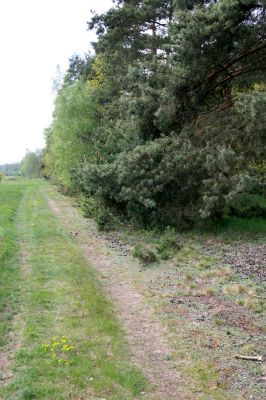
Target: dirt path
[(149, 348)]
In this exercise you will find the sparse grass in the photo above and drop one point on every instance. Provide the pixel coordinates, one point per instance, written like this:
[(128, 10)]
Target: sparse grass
[(61, 297), (206, 379)]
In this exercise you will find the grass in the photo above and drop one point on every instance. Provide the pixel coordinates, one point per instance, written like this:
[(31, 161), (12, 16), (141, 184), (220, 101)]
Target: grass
[(10, 197), (61, 298), (233, 228)]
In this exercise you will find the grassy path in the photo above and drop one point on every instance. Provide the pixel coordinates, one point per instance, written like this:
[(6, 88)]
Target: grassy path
[(71, 345)]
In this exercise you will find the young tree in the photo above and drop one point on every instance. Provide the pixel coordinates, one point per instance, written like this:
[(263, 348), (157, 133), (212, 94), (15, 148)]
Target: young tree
[(31, 165), (68, 139)]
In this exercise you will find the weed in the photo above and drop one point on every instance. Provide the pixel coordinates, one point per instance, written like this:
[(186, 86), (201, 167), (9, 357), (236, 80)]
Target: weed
[(251, 304), (204, 263), (210, 291), (193, 285), (28, 394), (60, 349), (242, 289), (219, 321), (189, 276)]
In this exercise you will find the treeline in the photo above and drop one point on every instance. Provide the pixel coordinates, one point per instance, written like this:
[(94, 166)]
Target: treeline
[(165, 123), (31, 166), (11, 169)]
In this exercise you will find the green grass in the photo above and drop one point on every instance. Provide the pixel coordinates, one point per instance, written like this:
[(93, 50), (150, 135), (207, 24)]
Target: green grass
[(234, 228), (61, 297), (241, 225), (10, 197)]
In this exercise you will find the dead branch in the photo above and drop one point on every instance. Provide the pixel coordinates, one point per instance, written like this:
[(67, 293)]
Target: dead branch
[(250, 358)]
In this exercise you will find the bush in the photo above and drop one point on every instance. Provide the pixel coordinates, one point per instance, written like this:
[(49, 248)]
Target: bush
[(168, 244), (168, 181), (88, 206), (145, 253)]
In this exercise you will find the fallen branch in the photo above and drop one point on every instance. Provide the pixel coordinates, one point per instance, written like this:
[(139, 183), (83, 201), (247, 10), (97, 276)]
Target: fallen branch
[(251, 358)]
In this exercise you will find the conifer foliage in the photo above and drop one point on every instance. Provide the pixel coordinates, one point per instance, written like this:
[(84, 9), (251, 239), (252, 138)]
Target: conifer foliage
[(165, 124)]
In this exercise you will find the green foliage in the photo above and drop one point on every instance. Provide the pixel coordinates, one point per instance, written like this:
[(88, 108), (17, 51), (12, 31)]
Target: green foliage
[(1, 177), (166, 182), (88, 206), (68, 138), (145, 253), (249, 206), (166, 123), (31, 165), (167, 244)]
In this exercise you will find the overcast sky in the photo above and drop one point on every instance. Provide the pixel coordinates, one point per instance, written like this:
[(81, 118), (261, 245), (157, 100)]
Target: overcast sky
[(35, 37)]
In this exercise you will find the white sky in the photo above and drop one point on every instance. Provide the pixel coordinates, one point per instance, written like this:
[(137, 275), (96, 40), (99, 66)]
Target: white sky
[(35, 37)]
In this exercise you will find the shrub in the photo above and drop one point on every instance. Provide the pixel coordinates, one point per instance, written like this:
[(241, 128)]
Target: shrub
[(168, 243), (168, 181), (88, 206), (145, 253)]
